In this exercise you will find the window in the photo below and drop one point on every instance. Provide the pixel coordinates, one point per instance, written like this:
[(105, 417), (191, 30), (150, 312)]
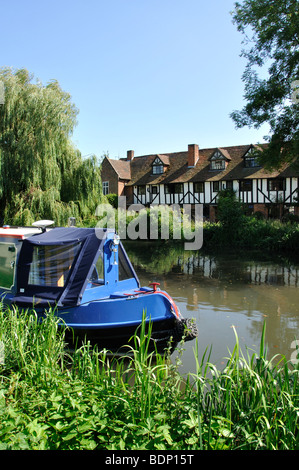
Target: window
[(176, 188), (251, 159), (158, 167), (100, 268), (124, 268), (251, 162), (229, 184), (154, 189), (217, 161), (216, 186), (179, 188), (97, 276), (277, 184), (199, 187), (141, 190), (217, 165), (105, 187), (51, 265), (8, 254), (246, 185)]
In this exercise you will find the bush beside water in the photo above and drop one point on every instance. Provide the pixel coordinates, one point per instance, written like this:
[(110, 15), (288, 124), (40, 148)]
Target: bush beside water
[(234, 230), (263, 235), (54, 399), (237, 230)]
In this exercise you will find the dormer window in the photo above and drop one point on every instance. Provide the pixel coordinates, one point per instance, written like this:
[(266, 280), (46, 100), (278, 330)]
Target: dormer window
[(218, 165), (158, 167), (251, 158), (218, 161)]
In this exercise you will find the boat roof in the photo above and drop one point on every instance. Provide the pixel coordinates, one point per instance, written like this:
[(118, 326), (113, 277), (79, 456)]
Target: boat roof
[(83, 245), (65, 233), (62, 235), (19, 233)]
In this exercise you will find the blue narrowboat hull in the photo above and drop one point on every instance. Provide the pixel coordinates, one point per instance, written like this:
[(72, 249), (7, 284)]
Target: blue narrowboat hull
[(111, 323)]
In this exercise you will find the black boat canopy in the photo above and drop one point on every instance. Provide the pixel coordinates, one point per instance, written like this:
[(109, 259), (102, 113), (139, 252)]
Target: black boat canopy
[(54, 266)]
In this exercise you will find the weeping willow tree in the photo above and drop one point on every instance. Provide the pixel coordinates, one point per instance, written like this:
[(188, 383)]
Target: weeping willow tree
[(42, 174)]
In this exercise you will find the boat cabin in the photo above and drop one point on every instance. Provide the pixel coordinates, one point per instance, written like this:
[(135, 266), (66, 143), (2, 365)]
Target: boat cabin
[(62, 266), (86, 274), (10, 244)]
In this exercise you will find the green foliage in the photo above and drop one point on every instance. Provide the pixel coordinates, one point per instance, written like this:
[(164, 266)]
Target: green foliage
[(56, 400), (230, 214), (254, 400), (234, 229), (256, 234), (155, 223), (112, 200), (42, 174), (270, 31)]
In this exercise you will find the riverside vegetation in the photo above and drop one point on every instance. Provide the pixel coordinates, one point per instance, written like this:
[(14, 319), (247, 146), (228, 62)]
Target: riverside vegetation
[(51, 398), (233, 230), (42, 175)]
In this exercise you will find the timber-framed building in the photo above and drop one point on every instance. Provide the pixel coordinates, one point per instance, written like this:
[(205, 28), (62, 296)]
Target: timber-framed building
[(196, 176)]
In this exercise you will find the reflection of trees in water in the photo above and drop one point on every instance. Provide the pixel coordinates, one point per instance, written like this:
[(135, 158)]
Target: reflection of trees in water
[(226, 288), (167, 258)]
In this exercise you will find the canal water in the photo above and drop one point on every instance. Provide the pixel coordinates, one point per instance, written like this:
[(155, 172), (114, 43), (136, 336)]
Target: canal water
[(226, 293)]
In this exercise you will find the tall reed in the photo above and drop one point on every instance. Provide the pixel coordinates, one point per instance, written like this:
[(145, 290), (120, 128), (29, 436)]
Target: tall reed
[(253, 403), (51, 398)]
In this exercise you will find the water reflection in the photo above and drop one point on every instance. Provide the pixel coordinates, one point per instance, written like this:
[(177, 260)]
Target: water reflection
[(225, 290)]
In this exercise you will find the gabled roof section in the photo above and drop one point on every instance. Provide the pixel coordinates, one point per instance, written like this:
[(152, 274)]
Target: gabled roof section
[(122, 168), (141, 168), (225, 153), (164, 159), (220, 153), (253, 150)]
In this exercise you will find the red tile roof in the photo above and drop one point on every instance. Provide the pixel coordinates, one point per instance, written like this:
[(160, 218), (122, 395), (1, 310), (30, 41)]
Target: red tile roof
[(139, 170), (122, 168)]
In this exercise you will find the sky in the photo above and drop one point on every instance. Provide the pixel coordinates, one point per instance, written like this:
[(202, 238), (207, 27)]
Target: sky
[(146, 75)]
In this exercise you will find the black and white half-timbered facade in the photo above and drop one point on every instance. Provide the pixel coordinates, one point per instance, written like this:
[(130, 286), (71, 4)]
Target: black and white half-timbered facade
[(197, 175)]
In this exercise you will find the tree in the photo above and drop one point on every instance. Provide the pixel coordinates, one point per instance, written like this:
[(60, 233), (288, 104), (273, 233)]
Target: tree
[(42, 174), (271, 33), (230, 214)]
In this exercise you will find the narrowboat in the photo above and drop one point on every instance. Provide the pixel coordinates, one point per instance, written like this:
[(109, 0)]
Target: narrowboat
[(85, 275)]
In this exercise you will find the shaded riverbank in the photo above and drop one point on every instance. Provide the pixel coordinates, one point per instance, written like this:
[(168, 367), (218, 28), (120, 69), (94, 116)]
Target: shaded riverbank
[(264, 235), (245, 232)]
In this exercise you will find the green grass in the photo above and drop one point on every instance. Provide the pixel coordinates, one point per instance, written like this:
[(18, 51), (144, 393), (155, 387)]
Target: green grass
[(54, 399)]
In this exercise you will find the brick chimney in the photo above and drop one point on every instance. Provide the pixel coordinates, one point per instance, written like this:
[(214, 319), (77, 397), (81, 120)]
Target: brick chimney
[(193, 154), (130, 155)]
